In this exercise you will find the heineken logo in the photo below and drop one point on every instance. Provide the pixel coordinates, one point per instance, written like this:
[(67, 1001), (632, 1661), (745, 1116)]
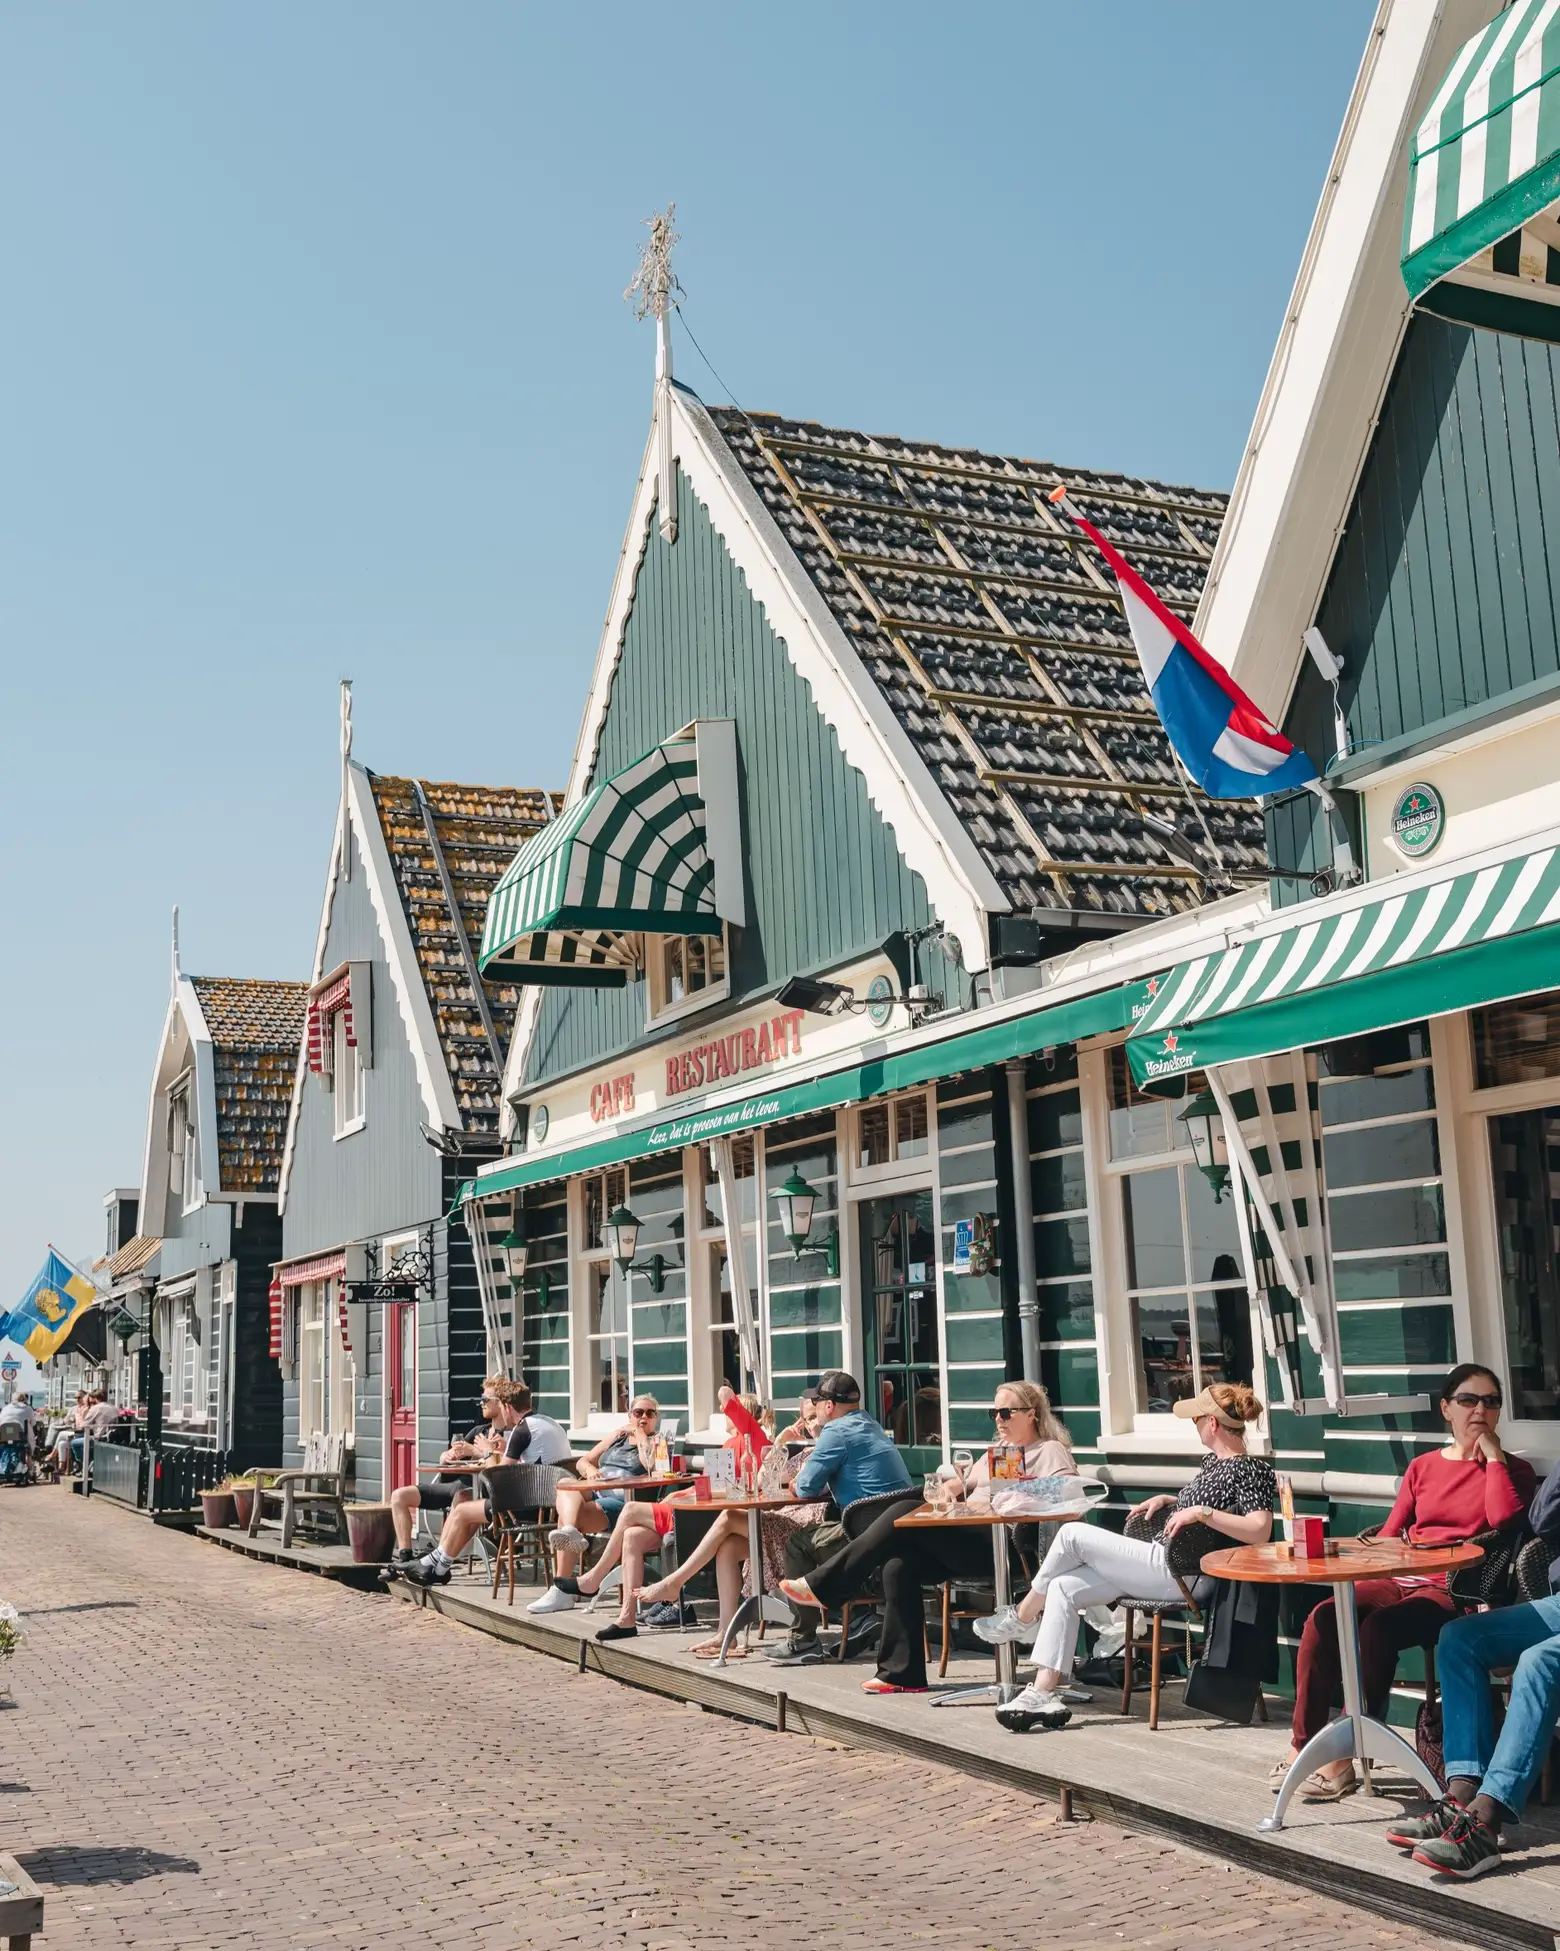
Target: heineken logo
[(1418, 821), (1170, 1060), (1147, 996)]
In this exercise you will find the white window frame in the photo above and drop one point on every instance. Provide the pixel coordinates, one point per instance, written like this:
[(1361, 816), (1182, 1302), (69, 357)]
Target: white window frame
[(912, 1169), (182, 1376), (225, 1316), (705, 1326), (589, 1257), (660, 1006), (349, 1089)]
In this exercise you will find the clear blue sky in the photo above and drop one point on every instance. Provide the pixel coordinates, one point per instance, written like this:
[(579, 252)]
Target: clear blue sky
[(315, 363)]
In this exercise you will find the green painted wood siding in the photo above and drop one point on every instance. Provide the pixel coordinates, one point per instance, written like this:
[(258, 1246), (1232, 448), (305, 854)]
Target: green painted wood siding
[(806, 1331), (826, 880), (1444, 593)]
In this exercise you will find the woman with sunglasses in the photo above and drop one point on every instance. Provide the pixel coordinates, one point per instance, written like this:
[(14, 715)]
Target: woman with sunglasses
[(1468, 1486), (911, 1560), (627, 1452)]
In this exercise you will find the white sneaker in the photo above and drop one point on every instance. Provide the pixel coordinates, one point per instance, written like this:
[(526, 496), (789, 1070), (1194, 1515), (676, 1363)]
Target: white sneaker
[(1005, 1627), (568, 1537), (552, 1600), (1031, 1709)]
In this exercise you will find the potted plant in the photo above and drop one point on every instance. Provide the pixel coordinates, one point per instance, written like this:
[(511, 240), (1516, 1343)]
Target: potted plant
[(371, 1533), (220, 1508), (11, 1636), (242, 1491)]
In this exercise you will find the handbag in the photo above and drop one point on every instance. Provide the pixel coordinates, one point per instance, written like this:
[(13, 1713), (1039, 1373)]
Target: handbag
[(1428, 1739), (1227, 1695)]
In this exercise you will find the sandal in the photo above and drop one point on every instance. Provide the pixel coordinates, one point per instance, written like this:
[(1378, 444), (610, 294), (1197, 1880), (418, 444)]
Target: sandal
[(710, 1650), (888, 1687), (1328, 1788)]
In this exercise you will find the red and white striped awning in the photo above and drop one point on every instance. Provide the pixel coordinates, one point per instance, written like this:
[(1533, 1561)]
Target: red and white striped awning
[(335, 998), (296, 1273)]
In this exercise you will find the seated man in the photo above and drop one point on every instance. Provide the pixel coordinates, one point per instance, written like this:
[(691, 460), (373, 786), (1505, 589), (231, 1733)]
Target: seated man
[(853, 1457), (449, 1489), (101, 1417), (511, 1442), (18, 1420), (1488, 1780)]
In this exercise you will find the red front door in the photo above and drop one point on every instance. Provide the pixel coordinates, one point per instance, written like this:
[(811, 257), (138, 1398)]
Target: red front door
[(401, 1367)]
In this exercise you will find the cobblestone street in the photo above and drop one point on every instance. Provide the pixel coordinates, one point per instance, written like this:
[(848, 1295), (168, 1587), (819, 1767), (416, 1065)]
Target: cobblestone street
[(208, 1752)]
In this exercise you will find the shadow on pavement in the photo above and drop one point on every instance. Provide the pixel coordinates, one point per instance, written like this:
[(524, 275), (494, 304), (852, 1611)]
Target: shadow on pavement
[(61, 1865), (87, 1605)]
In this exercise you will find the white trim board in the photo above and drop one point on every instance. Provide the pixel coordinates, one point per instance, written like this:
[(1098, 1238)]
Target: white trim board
[(1333, 361)]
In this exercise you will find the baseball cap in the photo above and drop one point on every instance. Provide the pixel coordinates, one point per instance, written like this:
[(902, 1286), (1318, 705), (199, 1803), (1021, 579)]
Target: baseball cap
[(834, 1385)]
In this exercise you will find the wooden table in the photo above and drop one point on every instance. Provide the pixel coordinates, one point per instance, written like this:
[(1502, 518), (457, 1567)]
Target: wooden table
[(962, 1517), (467, 1468), (21, 1905), (751, 1608), (1355, 1735), (597, 1484)]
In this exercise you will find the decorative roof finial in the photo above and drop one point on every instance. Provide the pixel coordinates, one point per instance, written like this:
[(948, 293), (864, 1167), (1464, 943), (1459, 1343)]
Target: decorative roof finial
[(652, 292), (177, 971), (346, 764)]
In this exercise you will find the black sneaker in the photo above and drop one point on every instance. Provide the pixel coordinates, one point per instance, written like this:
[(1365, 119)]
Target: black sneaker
[(1408, 1832), (669, 1612), (424, 1572), (1468, 1848), (406, 1555), (806, 1652), (866, 1629)]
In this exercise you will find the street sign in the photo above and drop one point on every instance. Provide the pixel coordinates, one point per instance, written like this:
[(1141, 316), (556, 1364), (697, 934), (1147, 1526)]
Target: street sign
[(381, 1290)]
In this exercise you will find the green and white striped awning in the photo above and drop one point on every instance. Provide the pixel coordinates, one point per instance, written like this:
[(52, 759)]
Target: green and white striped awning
[(1366, 960), (1485, 160), (629, 858)]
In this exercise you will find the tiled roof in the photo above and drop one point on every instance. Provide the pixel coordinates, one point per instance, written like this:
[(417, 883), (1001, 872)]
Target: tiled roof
[(132, 1256), (256, 1028), (480, 829), (1000, 644)]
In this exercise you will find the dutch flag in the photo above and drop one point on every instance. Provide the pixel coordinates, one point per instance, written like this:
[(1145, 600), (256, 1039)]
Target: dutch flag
[(1221, 738)]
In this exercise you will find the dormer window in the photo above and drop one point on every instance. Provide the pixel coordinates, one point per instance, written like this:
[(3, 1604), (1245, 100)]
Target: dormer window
[(685, 972), (183, 1174), (337, 1032), (346, 1075)]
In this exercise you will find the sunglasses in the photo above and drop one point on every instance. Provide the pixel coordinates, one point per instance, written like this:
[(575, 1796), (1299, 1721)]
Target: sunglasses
[(1002, 1415), (641, 1412), (1466, 1399)]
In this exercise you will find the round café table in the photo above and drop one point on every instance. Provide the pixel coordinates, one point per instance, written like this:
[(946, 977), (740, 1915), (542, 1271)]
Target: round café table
[(1355, 1735), (752, 1607)]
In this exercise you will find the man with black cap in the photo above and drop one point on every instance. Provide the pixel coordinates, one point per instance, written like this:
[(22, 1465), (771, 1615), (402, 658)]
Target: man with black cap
[(853, 1457)]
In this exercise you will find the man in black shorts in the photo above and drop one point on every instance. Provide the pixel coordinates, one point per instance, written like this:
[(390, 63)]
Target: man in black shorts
[(441, 1493), (514, 1439)]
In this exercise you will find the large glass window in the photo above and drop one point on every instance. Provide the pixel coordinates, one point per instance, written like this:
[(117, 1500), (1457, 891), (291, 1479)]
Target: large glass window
[(325, 1375), (891, 1130), (1525, 1165), (899, 1286), (1191, 1314), (606, 1335), (1518, 1043)]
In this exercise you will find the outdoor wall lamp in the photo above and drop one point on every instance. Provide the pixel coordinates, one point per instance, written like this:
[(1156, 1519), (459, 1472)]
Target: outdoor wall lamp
[(1204, 1129), (621, 1234), (797, 1201), (513, 1248)]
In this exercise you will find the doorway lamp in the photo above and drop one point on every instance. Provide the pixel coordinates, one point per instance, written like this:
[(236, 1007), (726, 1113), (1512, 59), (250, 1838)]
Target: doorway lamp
[(1204, 1130), (621, 1237), (797, 1200)]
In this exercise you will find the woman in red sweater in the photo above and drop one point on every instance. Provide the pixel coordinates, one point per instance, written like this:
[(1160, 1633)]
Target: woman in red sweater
[(1469, 1486)]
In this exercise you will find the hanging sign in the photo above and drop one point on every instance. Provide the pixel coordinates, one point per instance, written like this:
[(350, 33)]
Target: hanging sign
[(1418, 821), (381, 1291)]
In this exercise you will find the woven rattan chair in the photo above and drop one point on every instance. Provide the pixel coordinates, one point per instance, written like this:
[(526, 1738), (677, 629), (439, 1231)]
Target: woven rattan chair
[(1182, 1554), (521, 1513)]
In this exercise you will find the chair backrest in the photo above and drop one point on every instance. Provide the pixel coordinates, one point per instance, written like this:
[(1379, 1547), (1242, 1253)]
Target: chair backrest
[(1532, 1569), (325, 1453), (856, 1516), (515, 1487)]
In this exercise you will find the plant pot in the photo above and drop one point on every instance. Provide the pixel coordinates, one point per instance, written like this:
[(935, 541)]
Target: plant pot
[(371, 1532), (218, 1506), (243, 1505)]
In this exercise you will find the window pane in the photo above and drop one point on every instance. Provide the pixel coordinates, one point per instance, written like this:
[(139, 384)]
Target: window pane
[(1164, 1332), (605, 1312), (1524, 1164), (1151, 1209), (872, 1135), (1224, 1335), (603, 1394), (1409, 1216), (715, 957), (1211, 1228), (1351, 1100), (1055, 1120), (1382, 1153), (1058, 1184), (910, 1133), (1395, 1277), (675, 986), (1518, 1043)]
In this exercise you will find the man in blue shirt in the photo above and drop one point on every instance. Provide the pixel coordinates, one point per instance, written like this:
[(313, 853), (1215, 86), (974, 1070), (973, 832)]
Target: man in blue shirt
[(853, 1457)]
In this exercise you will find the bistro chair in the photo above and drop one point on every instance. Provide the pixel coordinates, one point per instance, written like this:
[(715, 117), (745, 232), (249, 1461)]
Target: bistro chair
[(854, 1519), (1182, 1555), (521, 1507)]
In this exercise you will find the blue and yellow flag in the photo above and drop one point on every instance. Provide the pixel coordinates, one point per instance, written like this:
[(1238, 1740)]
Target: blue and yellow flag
[(44, 1315)]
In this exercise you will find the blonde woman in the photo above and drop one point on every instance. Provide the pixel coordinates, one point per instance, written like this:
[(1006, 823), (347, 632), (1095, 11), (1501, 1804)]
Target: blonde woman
[(584, 1511)]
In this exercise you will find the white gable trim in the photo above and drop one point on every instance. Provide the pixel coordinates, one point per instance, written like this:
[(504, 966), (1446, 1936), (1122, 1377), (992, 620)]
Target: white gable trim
[(360, 817), (1333, 361), (208, 1149), (183, 1010)]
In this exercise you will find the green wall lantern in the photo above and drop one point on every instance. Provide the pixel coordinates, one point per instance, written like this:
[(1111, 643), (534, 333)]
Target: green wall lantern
[(1205, 1131)]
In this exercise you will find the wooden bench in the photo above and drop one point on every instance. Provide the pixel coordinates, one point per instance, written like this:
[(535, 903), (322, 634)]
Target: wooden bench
[(21, 1908), (321, 1483)]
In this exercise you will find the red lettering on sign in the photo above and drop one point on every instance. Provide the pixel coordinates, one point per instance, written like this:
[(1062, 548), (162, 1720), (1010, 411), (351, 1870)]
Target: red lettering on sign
[(727, 1056), (766, 1054)]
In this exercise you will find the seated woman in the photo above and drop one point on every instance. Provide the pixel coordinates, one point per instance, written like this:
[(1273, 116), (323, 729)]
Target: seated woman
[(1229, 1501), (1469, 1486), (910, 1560), (641, 1529), (583, 1511)]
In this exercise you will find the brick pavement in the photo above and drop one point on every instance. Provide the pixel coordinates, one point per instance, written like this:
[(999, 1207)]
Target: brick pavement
[(207, 1753)]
